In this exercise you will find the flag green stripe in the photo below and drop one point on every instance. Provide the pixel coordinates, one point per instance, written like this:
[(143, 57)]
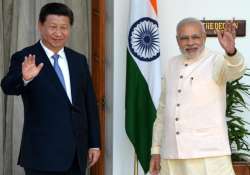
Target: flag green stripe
[(140, 112)]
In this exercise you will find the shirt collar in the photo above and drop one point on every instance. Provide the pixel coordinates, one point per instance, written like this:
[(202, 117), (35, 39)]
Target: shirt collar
[(50, 53)]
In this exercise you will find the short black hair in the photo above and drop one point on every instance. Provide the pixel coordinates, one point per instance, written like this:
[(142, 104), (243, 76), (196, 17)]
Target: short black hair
[(56, 9)]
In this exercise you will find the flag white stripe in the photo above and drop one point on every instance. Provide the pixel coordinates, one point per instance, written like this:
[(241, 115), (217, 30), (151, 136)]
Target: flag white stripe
[(150, 70)]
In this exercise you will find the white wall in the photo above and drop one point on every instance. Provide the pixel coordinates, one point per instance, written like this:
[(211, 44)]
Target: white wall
[(120, 151)]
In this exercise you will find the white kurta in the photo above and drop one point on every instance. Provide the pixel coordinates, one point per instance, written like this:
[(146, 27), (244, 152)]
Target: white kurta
[(191, 120)]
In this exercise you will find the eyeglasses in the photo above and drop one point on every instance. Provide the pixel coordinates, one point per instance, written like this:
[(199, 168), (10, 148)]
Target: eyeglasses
[(194, 37)]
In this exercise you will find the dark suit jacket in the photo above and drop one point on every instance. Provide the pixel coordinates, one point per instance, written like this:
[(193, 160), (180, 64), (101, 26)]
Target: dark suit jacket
[(54, 129)]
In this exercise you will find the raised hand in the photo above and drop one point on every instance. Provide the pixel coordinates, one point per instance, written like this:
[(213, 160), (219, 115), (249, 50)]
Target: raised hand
[(227, 37), (29, 68)]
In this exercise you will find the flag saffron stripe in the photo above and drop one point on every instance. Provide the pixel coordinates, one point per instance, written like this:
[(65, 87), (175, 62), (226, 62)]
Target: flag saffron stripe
[(154, 4)]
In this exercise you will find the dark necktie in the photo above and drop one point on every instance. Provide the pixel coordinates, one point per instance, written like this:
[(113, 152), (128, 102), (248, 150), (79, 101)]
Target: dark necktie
[(58, 70)]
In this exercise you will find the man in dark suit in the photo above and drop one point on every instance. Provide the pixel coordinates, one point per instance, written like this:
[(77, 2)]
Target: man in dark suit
[(61, 125)]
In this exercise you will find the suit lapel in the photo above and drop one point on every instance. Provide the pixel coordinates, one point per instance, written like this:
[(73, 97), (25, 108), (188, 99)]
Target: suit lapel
[(49, 71)]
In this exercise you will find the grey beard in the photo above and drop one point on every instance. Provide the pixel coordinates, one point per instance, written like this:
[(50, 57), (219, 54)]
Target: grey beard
[(189, 57)]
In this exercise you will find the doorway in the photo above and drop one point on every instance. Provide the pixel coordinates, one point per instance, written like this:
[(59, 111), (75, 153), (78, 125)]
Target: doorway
[(98, 71)]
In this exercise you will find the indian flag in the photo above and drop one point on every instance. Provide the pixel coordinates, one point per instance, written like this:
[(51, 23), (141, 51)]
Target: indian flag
[(143, 77)]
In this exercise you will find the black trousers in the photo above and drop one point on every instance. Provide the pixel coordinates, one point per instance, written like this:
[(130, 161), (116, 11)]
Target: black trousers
[(74, 170)]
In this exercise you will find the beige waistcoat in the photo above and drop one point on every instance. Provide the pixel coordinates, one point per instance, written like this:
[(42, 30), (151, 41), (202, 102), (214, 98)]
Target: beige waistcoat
[(191, 120)]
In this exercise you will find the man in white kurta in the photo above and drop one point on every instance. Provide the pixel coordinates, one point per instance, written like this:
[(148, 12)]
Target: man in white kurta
[(190, 132)]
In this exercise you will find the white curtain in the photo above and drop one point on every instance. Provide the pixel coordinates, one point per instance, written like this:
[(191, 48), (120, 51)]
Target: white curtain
[(18, 29)]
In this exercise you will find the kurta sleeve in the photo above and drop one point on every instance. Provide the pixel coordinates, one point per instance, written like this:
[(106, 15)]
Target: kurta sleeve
[(228, 68)]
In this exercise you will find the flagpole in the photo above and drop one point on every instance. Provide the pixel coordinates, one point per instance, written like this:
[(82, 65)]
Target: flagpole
[(135, 165)]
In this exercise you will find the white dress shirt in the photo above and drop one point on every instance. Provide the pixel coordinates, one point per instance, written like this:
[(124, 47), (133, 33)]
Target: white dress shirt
[(63, 63)]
